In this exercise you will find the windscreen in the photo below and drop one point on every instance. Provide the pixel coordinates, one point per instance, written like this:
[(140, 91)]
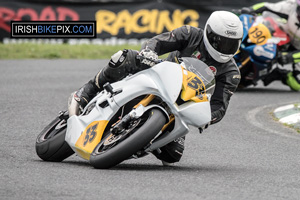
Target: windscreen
[(203, 72)]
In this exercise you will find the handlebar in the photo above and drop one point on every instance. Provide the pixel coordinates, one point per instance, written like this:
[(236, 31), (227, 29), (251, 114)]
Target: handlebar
[(140, 57)]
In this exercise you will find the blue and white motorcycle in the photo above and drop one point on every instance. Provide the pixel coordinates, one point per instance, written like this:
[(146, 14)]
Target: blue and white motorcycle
[(262, 40)]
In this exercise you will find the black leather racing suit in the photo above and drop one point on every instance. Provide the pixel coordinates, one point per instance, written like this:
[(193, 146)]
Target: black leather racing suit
[(187, 41)]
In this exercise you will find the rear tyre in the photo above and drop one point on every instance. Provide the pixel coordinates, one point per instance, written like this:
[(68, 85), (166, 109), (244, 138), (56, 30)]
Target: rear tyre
[(113, 149), (50, 144)]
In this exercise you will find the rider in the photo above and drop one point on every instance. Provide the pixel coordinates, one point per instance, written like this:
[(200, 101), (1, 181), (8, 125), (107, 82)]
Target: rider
[(289, 10), (215, 45)]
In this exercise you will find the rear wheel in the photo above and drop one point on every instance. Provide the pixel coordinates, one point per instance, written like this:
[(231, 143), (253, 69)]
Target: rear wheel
[(114, 149), (50, 144)]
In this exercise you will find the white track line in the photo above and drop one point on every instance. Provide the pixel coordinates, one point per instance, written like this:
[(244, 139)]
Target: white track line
[(251, 117)]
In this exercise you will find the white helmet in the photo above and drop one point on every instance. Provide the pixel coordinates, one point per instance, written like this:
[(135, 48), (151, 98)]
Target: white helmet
[(223, 34)]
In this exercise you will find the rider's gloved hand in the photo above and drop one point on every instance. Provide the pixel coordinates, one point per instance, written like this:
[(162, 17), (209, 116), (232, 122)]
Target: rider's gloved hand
[(285, 58), (149, 58)]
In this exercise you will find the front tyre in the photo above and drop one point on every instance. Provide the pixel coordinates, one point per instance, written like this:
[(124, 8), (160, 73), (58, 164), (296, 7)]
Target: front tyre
[(114, 149), (50, 144)]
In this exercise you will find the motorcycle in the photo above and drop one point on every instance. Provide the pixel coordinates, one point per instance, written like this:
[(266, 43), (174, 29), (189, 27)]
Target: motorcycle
[(262, 40), (132, 117)]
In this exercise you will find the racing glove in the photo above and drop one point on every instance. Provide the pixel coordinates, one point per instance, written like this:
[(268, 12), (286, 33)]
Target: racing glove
[(285, 58), (149, 58)]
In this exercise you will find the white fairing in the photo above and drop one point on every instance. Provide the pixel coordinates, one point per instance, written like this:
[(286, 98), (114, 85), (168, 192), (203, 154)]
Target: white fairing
[(163, 80), (77, 124), (195, 113)]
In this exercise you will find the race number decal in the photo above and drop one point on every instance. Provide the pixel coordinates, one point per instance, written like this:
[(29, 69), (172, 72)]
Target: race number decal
[(192, 87), (90, 134), (90, 137), (196, 84), (259, 34)]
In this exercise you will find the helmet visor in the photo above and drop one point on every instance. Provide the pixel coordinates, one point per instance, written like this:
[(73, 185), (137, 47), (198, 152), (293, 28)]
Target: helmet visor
[(222, 44)]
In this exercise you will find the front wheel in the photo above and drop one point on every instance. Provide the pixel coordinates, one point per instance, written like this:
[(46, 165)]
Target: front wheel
[(114, 149), (50, 144)]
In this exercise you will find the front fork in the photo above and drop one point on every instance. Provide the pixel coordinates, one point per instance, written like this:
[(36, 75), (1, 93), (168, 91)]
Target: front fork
[(138, 110)]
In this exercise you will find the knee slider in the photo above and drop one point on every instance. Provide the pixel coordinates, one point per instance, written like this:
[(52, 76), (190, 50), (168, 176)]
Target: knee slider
[(126, 58), (117, 59), (120, 65)]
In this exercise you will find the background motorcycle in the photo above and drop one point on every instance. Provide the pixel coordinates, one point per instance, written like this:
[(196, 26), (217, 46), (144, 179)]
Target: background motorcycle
[(262, 40), (132, 117)]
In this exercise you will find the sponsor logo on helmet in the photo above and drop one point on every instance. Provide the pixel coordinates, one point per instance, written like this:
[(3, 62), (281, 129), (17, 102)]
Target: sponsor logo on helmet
[(231, 33)]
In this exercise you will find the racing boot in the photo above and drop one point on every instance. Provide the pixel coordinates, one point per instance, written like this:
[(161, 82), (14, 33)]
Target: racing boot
[(276, 74), (80, 98), (88, 91), (120, 65), (293, 79), (171, 153)]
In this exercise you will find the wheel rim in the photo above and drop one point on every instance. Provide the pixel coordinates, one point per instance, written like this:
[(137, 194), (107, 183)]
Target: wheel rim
[(112, 140), (53, 130)]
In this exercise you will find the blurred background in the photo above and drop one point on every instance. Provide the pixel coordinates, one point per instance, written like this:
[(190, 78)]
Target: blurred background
[(120, 24), (118, 21)]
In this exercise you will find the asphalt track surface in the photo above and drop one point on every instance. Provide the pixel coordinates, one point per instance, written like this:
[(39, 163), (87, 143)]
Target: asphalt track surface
[(247, 155)]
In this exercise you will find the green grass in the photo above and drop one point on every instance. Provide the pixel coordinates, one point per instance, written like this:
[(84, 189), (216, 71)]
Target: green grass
[(60, 51)]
